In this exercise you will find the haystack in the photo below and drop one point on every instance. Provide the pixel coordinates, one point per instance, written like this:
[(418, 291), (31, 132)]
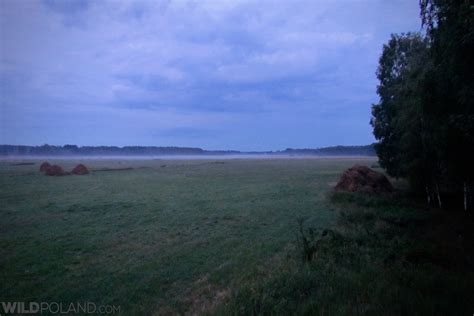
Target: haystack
[(55, 170), (364, 180), (80, 170), (44, 166)]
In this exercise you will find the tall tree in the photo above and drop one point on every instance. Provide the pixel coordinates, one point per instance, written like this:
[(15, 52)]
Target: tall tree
[(396, 118)]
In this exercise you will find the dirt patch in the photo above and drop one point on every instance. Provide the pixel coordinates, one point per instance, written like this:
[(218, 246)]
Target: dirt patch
[(204, 299), (80, 170), (364, 180), (207, 298), (22, 164)]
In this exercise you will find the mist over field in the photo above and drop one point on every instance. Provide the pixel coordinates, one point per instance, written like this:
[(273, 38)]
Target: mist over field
[(19, 159)]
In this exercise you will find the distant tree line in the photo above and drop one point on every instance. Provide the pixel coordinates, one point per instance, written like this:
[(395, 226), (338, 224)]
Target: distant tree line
[(73, 150), (424, 121), (366, 150), (49, 150)]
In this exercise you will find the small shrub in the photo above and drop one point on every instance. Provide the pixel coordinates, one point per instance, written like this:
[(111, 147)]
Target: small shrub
[(307, 241), (310, 240)]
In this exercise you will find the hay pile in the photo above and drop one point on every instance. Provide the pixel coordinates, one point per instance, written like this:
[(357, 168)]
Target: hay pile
[(80, 170), (364, 180), (55, 170), (44, 166)]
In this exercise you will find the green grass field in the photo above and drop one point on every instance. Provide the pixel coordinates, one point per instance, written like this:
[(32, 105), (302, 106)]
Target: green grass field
[(219, 237)]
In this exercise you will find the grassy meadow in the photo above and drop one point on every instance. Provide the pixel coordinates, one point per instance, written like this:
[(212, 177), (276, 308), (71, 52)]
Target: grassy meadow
[(226, 237)]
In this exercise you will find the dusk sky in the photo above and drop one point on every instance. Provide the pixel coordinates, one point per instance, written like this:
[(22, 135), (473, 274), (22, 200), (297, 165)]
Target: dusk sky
[(244, 75)]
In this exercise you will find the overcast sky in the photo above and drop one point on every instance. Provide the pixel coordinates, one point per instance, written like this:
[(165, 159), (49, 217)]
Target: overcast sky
[(245, 75)]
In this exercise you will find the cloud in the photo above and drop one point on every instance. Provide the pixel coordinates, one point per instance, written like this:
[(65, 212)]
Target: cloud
[(190, 66)]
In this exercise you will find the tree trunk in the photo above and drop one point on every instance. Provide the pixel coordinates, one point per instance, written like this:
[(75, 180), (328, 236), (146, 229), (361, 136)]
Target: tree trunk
[(439, 196), (465, 196), (428, 197)]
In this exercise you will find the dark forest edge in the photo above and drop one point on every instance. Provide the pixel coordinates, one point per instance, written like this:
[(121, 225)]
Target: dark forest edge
[(73, 150), (424, 120)]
